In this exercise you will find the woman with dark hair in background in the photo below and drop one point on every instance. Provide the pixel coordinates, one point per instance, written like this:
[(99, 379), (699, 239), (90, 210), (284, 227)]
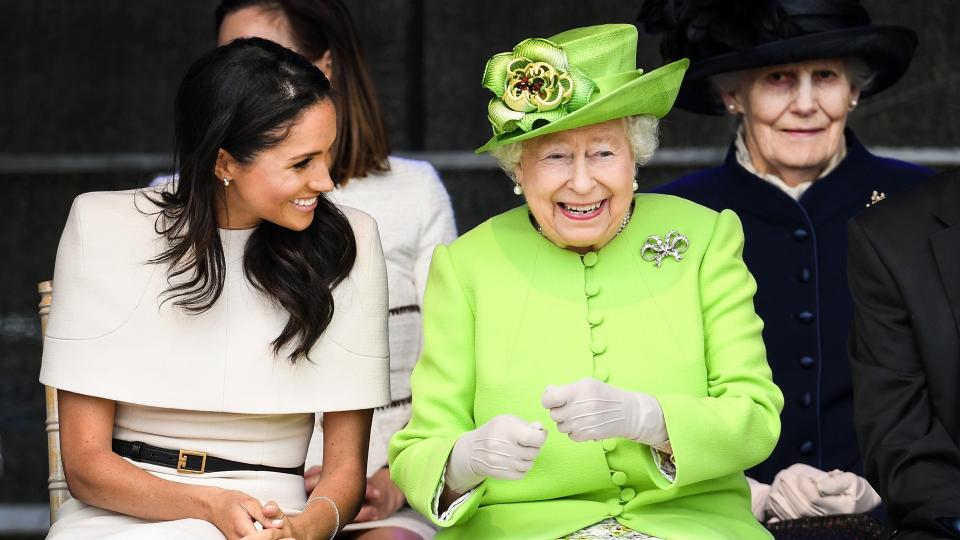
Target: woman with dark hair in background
[(405, 197), (199, 326), (791, 72)]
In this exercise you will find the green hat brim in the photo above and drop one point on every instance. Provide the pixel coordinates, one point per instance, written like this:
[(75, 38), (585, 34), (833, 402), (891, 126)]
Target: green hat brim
[(650, 93)]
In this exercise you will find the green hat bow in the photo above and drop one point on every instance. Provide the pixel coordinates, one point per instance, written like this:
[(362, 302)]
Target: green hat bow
[(534, 82), (580, 77)]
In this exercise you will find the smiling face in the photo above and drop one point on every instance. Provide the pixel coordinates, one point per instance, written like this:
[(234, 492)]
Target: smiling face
[(579, 183), (794, 116), (282, 183)]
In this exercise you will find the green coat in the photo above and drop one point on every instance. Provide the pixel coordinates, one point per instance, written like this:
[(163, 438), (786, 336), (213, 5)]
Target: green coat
[(506, 313)]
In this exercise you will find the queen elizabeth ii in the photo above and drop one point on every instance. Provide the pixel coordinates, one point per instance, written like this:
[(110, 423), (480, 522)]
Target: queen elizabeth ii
[(592, 359)]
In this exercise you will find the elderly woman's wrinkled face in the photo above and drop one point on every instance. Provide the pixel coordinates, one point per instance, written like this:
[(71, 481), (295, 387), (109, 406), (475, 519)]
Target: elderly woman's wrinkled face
[(579, 183), (794, 116)]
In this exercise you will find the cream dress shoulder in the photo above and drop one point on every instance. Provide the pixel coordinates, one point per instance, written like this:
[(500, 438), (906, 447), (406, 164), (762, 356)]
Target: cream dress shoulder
[(207, 382)]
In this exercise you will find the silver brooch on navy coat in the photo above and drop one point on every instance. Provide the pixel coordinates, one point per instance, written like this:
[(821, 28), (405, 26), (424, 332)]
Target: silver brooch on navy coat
[(671, 245), (876, 197)]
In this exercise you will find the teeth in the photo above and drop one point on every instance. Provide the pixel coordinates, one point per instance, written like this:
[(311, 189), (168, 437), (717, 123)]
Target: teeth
[(582, 209), (305, 202)]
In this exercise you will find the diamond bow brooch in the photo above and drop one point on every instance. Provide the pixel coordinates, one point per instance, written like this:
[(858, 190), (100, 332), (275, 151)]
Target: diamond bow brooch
[(657, 249), (876, 197)]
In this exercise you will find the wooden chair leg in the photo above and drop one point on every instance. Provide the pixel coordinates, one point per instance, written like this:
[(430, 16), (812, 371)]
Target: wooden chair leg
[(56, 482)]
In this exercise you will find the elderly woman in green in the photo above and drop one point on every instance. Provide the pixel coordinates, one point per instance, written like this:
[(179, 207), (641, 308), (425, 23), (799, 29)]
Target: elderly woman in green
[(592, 363)]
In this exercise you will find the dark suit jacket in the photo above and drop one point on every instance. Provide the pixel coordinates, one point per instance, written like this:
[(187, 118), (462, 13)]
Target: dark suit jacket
[(904, 272), (797, 251)]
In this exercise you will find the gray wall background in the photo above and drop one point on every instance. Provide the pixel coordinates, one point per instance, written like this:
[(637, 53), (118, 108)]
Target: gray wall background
[(86, 92)]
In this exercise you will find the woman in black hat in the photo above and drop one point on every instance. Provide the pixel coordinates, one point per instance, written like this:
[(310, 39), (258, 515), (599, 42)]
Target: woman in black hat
[(791, 71)]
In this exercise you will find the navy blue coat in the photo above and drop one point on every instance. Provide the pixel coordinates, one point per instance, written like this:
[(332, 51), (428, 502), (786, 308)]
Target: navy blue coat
[(797, 251)]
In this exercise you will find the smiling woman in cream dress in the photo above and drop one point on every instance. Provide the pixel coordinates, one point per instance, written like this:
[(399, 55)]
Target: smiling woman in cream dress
[(197, 328)]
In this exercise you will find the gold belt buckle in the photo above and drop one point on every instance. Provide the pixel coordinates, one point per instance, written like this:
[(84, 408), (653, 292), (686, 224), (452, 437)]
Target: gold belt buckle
[(182, 462)]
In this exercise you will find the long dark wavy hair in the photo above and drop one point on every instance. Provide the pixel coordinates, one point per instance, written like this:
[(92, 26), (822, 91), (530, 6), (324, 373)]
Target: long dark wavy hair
[(243, 98), (318, 26)]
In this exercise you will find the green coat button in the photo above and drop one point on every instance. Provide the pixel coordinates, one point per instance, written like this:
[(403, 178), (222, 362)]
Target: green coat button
[(609, 444), (627, 494), (590, 259), (591, 288), (619, 478), (598, 346), (601, 374), (594, 318)]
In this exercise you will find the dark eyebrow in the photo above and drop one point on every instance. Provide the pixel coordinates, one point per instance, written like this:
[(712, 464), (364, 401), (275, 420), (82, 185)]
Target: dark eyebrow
[(304, 156)]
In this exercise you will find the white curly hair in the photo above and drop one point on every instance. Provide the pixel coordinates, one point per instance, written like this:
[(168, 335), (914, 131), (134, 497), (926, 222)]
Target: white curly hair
[(642, 131)]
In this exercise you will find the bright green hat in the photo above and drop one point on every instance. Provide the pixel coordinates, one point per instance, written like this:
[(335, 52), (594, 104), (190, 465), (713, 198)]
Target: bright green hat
[(577, 78)]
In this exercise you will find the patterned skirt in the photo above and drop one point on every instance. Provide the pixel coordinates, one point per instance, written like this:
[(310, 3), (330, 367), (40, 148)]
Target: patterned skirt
[(607, 529)]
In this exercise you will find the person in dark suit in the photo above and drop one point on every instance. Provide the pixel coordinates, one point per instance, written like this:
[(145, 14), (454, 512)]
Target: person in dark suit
[(904, 271), (790, 73)]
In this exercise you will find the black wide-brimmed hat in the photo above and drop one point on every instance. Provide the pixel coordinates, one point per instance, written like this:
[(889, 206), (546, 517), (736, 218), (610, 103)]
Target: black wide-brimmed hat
[(722, 36)]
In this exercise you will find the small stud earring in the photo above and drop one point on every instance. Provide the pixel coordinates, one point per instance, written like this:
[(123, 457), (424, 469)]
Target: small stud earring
[(636, 186), (853, 104), (517, 190), (226, 182), (732, 108)]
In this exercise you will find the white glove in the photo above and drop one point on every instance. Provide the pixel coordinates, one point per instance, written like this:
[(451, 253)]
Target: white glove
[(759, 494), (592, 410), (801, 490), (503, 448)]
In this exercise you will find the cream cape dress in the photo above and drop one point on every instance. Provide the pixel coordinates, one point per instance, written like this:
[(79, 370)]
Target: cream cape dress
[(206, 382)]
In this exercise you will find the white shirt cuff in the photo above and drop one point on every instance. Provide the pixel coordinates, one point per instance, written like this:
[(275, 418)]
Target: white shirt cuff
[(448, 513)]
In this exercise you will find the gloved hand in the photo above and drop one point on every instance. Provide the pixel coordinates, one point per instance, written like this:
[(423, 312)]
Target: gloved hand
[(759, 494), (503, 448), (801, 490), (592, 410)]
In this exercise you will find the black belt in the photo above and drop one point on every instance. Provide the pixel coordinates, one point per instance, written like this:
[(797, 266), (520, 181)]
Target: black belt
[(404, 309), (189, 461), (395, 403)]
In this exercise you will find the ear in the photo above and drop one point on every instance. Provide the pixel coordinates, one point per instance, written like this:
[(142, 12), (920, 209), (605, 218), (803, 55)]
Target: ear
[(518, 173), (226, 166), (854, 93), (731, 102), (325, 63)]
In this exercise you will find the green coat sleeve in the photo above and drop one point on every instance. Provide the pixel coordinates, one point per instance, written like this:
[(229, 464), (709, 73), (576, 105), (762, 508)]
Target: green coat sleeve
[(737, 424), (443, 388)]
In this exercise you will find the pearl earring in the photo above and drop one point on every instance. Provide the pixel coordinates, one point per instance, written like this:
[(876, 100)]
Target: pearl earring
[(636, 186), (853, 104), (732, 108), (517, 190), (226, 182)]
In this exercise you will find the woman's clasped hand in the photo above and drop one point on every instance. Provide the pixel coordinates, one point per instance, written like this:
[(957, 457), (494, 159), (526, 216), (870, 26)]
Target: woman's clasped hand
[(382, 498), (506, 446), (503, 448), (235, 513), (279, 526), (592, 410)]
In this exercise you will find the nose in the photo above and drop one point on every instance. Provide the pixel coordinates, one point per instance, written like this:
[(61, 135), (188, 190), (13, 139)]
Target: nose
[(805, 99), (321, 181), (581, 181)]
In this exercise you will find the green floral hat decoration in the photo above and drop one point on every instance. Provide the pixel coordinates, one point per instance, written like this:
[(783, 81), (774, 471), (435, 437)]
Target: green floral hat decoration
[(577, 78)]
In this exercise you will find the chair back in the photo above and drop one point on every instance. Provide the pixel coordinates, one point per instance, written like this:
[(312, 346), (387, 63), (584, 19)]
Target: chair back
[(56, 482)]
